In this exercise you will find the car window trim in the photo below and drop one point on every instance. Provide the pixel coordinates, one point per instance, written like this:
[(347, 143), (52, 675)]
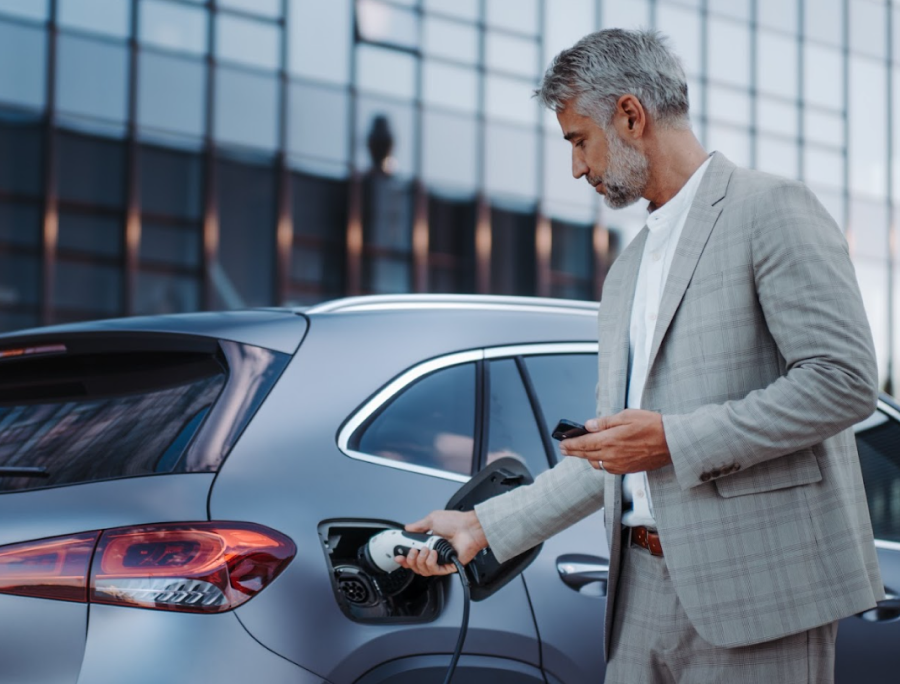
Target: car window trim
[(398, 384)]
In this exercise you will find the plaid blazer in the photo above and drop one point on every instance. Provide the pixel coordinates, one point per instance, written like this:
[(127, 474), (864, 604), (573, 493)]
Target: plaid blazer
[(762, 361)]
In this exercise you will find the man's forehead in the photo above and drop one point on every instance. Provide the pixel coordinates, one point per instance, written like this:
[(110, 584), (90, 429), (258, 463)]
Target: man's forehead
[(572, 123)]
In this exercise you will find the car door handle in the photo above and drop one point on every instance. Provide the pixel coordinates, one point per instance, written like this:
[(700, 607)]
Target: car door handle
[(587, 575), (886, 610)]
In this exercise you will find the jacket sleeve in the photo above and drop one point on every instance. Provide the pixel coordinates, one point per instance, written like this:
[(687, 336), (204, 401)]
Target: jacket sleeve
[(807, 290)]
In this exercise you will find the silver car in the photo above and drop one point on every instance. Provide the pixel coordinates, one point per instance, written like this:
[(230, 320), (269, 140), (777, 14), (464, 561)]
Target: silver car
[(185, 498)]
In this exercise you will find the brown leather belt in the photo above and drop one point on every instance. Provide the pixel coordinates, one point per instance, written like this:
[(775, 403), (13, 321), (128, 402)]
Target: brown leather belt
[(645, 538)]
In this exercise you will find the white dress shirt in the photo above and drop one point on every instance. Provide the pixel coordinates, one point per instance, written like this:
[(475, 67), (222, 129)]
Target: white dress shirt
[(665, 226)]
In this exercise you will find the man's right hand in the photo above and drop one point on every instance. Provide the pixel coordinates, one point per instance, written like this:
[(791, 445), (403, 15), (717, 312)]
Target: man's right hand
[(462, 530)]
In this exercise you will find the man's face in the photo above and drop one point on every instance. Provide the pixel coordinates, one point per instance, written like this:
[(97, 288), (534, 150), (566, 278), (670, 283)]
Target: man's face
[(614, 167)]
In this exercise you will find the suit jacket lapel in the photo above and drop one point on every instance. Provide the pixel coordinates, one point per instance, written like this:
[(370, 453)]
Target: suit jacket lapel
[(629, 261), (700, 221)]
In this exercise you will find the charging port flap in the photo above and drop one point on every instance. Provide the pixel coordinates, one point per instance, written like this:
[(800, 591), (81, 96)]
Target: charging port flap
[(486, 574)]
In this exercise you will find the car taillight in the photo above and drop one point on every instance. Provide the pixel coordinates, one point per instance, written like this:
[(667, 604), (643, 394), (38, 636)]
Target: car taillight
[(194, 567), (55, 568)]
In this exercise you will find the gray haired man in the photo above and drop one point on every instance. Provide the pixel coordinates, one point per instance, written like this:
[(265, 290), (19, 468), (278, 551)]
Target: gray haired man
[(734, 357)]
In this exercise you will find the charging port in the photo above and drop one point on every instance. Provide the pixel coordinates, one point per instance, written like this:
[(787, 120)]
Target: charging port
[(367, 595)]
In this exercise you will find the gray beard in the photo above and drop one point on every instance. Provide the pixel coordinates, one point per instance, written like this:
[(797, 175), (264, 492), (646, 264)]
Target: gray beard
[(626, 176)]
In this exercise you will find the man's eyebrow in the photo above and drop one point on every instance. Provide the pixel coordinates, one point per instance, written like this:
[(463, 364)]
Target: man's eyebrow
[(572, 134)]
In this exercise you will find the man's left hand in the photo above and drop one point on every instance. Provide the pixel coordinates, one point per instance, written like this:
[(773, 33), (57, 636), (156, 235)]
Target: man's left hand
[(630, 441)]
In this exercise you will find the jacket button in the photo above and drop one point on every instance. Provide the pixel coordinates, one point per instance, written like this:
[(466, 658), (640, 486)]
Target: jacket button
[(705, 477), (736, 466)]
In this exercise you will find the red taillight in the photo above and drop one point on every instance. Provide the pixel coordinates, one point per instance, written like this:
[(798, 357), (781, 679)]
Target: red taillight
[(55, 568), (193, 567), (199, 568)]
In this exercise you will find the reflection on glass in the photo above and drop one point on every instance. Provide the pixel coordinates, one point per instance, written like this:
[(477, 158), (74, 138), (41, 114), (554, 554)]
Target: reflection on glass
[(826, 22), (777, 155), (319, 123), (92, 78), (631, 15), (725, 104), (388, 72), (464, 9), (776, 64), (776, 116), (382, 23), (264, 8), (823, 167), (513, 15), (26, 47), (449, 86), (173, 27), (778, 14), (512, 55), (511, 161), (451, 151), (683, 28), (171, 94), (513, 431), (401, 121), (451, 40), (247, 41), (729, 52), (109, 17), (319, 39), (823, 76), (28, 9), (164, 293), (510, 100), (19, 279), (867, 127), (246, 109)]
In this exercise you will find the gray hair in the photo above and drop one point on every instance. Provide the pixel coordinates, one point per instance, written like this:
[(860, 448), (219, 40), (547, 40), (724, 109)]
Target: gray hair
[(601, 67)]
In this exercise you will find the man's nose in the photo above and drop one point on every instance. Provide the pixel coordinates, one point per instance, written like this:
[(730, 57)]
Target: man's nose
[(579, 168)]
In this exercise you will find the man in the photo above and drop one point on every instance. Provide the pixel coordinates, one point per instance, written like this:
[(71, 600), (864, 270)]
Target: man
[(734, 357)]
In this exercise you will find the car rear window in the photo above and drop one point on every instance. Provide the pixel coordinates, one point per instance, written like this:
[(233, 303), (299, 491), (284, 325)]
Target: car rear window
[(97, 410)]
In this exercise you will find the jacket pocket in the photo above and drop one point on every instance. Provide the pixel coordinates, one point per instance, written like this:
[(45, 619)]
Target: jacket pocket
[(791, 470)]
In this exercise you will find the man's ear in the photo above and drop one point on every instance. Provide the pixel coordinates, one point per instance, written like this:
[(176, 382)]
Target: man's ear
[(630, 116)]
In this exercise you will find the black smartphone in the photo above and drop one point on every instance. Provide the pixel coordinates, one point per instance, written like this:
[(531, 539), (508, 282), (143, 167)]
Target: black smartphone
[(566, 428)]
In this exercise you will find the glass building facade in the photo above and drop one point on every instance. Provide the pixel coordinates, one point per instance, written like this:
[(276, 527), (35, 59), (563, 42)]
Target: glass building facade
[(174, 155)]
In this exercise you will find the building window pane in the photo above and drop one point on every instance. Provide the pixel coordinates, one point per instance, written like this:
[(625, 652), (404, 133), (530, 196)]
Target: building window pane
[(572, 261), (512, 55), (165, 293), (246, 41), (174, 27), (733, 143), (510, 100), (778, 14), (171, 94), (449, 86), (451, 151), (386, 136), (825, 22), (732, 106), (776, 65), (108, 17), (21, 160), (451, 40), (464, 9), (451, 245), (683, 27), (171, 183), (264, 8), (869, 227), (630, 15), (28, 9), (564, 23), (26, 47), (87, 290), (246, 109), (20, 279), (823, 167), (514, 15), (170, 245), (513, 264), (729, 52), (775, 116), (20, 224), (511, 161), (319, 39), (91, 170), (92, 78), (823, 76), (319, 123), (380, 22), (567, 197), (873, 285), (823, 127), (868, 127), (387, 72), (868, 33), (738, 9), (244, 275), (778, 156), (94, 234)]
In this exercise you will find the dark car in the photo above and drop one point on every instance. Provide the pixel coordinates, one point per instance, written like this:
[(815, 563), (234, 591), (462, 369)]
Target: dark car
[(184, 498)]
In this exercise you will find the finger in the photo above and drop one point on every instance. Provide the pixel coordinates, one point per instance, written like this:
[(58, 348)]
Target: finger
[(423, 525), (431, 561)]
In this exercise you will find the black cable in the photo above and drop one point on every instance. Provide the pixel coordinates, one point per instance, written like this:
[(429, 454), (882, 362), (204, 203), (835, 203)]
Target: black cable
[(464, 627)]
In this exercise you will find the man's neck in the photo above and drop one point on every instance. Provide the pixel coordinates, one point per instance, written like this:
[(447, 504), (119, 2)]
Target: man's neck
[(673, 159)]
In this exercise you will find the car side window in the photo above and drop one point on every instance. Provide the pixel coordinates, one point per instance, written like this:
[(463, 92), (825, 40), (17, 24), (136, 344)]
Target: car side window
[(878, 443), (565, 385), (431, 423), (512, 428)]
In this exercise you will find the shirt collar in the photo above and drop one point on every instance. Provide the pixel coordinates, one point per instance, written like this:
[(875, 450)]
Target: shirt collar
[(668, 214)]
